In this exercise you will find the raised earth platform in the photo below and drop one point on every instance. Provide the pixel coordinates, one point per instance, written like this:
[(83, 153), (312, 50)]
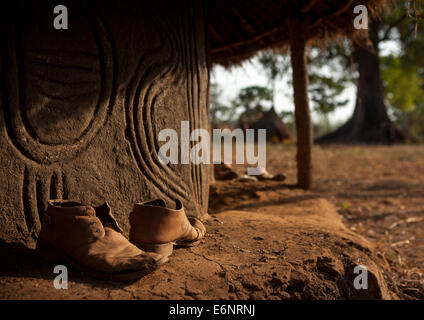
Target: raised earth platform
[(274, 243)]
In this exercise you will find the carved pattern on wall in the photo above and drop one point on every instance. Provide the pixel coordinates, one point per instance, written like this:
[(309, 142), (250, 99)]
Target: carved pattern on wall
[(37, 188), (58, 80), (41, 80), (143, 92), (176, 63), (194, 95), (57, 95)]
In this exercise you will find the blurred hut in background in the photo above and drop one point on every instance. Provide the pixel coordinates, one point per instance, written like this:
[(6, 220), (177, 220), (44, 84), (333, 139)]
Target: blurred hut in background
[(276, 130)]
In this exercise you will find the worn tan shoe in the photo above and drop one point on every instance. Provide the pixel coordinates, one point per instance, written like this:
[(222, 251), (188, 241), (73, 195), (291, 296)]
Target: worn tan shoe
[(265, 175), (90, 239), (156, 228)]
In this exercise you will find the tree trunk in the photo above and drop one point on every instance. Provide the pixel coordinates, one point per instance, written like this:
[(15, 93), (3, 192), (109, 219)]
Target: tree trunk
[(301, 101), (369, 122)]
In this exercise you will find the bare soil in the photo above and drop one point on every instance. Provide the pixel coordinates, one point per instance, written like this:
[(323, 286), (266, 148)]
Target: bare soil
[(379, 192), (269, 240)]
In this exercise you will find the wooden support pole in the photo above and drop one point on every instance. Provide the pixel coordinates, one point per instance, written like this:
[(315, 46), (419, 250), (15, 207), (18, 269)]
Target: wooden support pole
[(297, 30)]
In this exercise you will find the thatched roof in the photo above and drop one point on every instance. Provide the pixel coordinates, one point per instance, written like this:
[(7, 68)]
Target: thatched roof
[(238, 29)]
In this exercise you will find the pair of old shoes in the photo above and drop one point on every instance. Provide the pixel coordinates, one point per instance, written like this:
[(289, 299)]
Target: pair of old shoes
[(91, 240)]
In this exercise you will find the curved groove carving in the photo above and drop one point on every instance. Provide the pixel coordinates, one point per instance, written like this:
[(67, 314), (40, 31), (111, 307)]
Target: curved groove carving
[(39, 73), (37, 188), (29, 202), (193, 97), (178, 66), (143, 93)]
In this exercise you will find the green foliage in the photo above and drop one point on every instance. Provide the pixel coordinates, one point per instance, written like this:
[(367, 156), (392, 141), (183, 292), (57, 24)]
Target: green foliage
[(219, 112), (249, 98), (337, 56), (403, 72), (325, 88), (331, 70), (253, 98), (324, 92), (329, 75), (403, 85), (344, 205), (288, 118), (274, 65), (415, 122)]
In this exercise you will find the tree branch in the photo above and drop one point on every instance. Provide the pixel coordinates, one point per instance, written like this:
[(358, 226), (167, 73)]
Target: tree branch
[(392, 26)]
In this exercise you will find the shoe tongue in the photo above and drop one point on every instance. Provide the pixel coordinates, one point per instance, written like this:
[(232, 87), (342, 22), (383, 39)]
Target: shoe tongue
[(104, 213)]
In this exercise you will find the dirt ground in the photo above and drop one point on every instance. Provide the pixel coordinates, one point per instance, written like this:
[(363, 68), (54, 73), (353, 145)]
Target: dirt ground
[(269, 240), (379, 192)]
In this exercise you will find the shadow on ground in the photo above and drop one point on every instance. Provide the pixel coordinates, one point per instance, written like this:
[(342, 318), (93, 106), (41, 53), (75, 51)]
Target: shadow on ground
[(272, 242)]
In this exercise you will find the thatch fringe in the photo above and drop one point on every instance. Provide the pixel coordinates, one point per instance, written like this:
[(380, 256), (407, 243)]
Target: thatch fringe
[(237, 30)]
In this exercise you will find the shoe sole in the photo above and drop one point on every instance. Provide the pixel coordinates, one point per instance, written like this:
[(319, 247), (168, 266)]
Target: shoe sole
[(54, 256), (166, 249)]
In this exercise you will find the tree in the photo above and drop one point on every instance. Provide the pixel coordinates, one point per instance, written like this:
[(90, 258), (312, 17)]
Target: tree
[(403, 76), (403, 83), (275, 66), (219, 112), (253, 98), (328, 78), (370, 121), (325, 93)]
